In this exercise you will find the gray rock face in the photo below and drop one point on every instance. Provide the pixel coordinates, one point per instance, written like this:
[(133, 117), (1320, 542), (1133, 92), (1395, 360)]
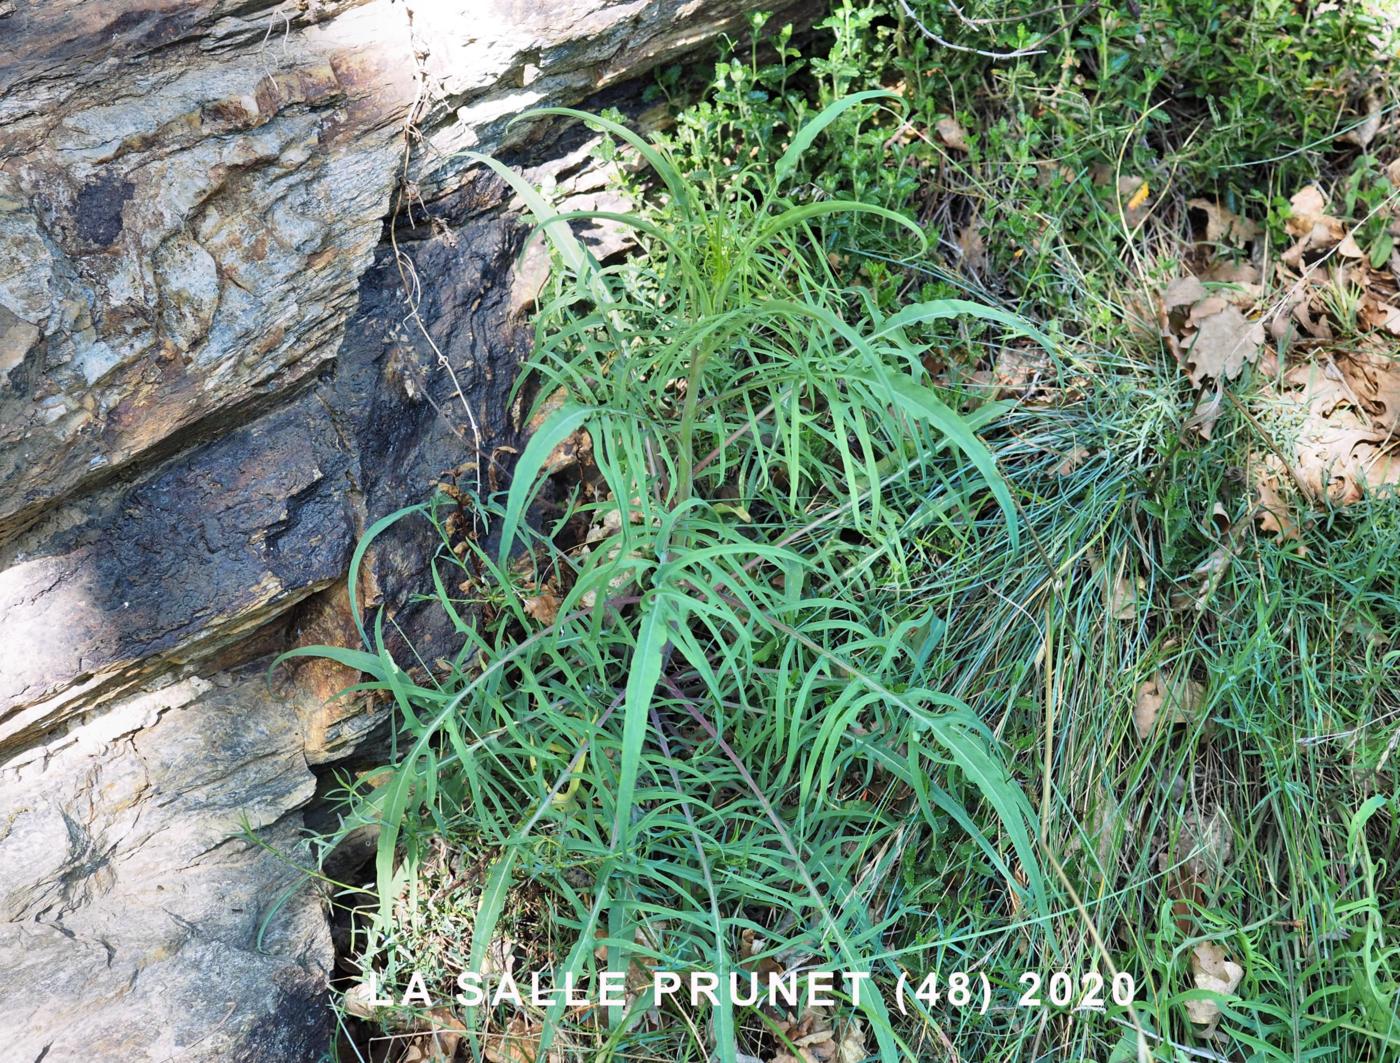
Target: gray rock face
[(140, 920), (210, 382)]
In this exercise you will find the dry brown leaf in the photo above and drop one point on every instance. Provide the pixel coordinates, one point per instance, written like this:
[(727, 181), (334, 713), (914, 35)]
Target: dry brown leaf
[(544, 606), (571, 451), (1020, 371), (1366, 132), (1122, 603), (1208, 409), (972, 247), (1224, 342), (1223, 224), (437, 1044), (1143, 317), (852, 1048), (1205, 577), (1319, 328), (1307, 208), (1345, 446), (1379, 315), (1049, 170), (1212, 970), (359, 1001), (1164, 700), (1192, 860), (811, 1036), (1203, 847), (1242, 273), (1184, 291), (519, 1043), (1375, 380), (1102, 829), (1309, 221), (1133, 193), (1105, 827), (1243, 279), (951, 133), (1207, 307), (1072, 461), (1273, 513)]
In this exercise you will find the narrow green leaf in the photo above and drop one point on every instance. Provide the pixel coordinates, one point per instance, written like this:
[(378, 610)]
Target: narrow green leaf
[(922, 404), (561, 424), (642, 677), (560, 235), (813, 129), (939, 309)]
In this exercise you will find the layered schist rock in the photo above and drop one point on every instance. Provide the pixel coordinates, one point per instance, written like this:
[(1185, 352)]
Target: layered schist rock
[(210, 382)]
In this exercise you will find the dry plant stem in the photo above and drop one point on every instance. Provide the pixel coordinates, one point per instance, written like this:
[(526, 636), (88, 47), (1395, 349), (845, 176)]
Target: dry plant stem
[(412, 292), (909, 11)]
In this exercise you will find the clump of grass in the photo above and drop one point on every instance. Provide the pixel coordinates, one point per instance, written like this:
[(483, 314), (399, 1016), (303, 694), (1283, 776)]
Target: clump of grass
[(713, 733)]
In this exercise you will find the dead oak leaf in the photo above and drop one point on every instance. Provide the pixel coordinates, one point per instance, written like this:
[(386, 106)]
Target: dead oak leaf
[(851, 1048), (1375, 380), (1225, 340), (1223, 224), (1165, 700), (1202, 848), (438, 1044), (1241, 273), (543, 607), (1345, 446), (360, 1001), (1379, 315), (1309, 222), (1307, 207), (810, 1039), (1122, 598), (1184, 291), (1020, 372), (518, 1043), (1274, 515), (1241, 282), (972, 247), (1212, 970), (1366, 131), (1072, 461), (951, 133), (1207, 412), (574, 450), (1207, 307)]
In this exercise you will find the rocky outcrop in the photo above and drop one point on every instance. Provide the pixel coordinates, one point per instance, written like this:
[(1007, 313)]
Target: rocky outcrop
[(145, 921), (251, 298)]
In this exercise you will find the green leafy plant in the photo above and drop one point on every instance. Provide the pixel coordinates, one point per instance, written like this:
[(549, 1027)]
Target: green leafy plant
[(691, 722)]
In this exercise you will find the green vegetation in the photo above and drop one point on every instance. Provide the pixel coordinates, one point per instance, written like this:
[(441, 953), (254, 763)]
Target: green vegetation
[(901, 610)]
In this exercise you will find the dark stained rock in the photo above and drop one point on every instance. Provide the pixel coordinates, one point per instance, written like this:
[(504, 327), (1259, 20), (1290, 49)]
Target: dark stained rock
[(199, 552)]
